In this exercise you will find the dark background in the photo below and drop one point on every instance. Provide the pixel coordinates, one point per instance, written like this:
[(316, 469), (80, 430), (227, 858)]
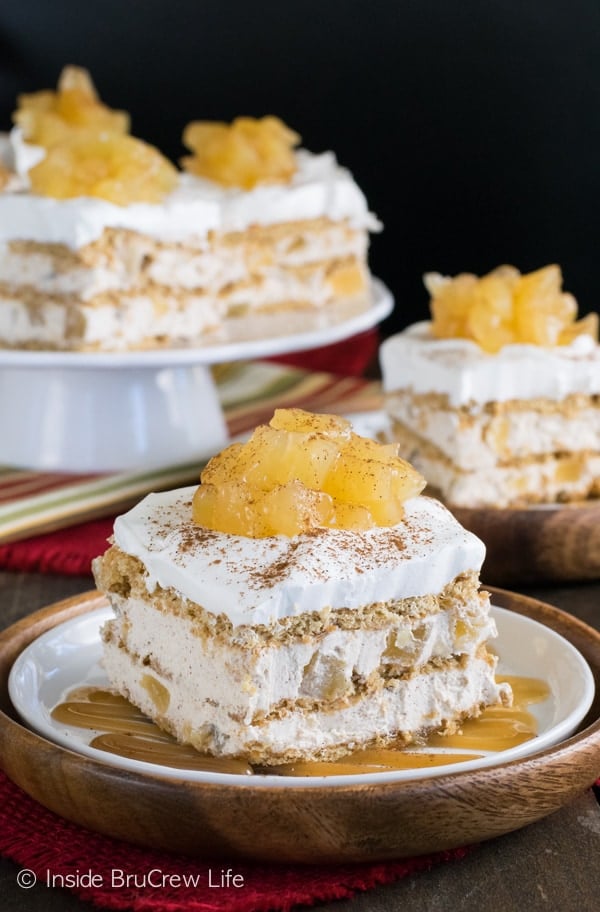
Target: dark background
[(473, 127)]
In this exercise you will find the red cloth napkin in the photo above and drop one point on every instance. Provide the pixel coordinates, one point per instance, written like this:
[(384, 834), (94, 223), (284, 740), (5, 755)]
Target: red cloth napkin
[(53, 848), (351, 357), (68, 551)]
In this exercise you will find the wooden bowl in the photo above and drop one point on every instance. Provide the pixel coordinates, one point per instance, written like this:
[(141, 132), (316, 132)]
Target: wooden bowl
[(317, 824), (549, 543)]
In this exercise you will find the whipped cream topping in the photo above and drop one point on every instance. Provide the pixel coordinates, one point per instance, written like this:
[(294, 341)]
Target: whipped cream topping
[(461, 370), (257, 581), (320, 187)]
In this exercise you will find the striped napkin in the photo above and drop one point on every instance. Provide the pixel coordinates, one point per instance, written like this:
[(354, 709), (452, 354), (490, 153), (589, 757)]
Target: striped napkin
[(36, 502)]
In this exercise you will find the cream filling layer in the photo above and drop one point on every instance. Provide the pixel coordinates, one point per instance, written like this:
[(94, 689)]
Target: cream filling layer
[(137, 321), (550, 479), (277, 307), (135, 260), (473, 439), (247, 682), (409, 706)]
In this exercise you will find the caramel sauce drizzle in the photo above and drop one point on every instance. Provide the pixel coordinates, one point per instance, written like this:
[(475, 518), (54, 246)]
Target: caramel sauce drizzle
[(128, 733)]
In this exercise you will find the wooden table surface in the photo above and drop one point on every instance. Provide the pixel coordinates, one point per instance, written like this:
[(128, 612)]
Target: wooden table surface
[(550, 865)]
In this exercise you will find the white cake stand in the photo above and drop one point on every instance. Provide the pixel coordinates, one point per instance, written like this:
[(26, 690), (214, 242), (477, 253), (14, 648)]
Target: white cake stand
[(113, 411)]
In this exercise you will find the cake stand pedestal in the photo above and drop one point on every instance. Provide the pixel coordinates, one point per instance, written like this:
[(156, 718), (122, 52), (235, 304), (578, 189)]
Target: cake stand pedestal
[(117, 411), (95, 419)]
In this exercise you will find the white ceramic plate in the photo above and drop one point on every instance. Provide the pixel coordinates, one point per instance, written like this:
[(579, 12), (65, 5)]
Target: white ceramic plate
[(68, 656)]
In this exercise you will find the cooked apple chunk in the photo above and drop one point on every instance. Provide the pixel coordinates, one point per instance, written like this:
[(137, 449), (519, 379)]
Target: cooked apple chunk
[(304, 471), (505, 307)]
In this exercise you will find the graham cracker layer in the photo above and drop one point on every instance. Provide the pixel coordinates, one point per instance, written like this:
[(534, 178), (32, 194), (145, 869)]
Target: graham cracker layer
[(123, 577)]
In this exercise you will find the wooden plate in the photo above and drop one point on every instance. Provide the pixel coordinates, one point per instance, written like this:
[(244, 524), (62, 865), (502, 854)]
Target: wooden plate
[(354, 823), (549, 543)]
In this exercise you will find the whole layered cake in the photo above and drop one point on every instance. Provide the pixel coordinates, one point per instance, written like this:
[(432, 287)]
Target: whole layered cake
[(106, 245), (496, 400), (303, 601)]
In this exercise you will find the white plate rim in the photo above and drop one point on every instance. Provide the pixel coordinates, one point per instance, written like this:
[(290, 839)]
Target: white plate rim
[(36, 713)]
